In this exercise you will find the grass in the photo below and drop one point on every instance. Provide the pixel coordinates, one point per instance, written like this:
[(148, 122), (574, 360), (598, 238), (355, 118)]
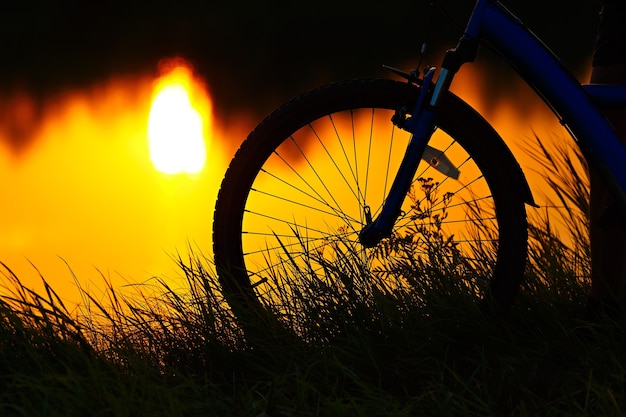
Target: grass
[(367, 349)]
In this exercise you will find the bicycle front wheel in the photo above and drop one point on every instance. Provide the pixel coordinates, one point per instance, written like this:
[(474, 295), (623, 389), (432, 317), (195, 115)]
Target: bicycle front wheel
[(315, 172)]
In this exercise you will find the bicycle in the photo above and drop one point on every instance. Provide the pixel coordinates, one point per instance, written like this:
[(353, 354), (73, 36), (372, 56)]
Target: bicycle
[(362, 174)]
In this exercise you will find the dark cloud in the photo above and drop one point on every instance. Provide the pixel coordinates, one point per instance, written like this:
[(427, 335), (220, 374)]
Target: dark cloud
[(253, 54)]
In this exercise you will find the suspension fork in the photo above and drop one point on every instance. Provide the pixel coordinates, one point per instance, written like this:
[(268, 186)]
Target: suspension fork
[(421, 124)]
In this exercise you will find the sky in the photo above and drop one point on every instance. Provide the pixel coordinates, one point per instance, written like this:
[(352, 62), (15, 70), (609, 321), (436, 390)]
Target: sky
[(275, 48), (78, 81)]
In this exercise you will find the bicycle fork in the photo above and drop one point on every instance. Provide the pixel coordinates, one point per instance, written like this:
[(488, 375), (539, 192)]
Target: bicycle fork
[(421, 124)]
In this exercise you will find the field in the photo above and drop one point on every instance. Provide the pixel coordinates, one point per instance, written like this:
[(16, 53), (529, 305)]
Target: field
[(376, 349)]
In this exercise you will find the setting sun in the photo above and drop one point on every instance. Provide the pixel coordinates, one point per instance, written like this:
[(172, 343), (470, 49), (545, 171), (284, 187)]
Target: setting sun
[(177, 122)]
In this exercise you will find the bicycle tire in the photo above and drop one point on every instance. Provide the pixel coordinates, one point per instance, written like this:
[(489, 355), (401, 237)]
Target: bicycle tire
[(266, 164)]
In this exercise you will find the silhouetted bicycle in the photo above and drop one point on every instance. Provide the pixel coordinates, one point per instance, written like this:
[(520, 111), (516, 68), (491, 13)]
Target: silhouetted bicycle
[(369, 176)]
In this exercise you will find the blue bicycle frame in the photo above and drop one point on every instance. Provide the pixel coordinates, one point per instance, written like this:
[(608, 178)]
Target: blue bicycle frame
[(577, 106)]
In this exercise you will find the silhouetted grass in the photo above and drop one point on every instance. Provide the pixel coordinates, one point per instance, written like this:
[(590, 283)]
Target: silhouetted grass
[(365, 347)]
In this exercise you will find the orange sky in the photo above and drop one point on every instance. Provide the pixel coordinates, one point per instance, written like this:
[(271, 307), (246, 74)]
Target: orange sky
[(87, 193)]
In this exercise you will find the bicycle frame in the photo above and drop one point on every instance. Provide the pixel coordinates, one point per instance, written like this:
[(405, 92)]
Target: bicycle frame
[(571, 102), (577, 106)]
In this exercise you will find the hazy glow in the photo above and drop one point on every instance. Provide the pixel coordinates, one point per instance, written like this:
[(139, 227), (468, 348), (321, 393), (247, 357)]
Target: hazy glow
[(176, 127), (87, 192), (87, 197)]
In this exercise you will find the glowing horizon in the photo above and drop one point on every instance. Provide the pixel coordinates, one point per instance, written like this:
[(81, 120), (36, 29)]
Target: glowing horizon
[(86, 195)]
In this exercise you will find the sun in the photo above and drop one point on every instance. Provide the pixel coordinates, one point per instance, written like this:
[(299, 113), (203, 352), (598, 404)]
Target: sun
[(178, 120)]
